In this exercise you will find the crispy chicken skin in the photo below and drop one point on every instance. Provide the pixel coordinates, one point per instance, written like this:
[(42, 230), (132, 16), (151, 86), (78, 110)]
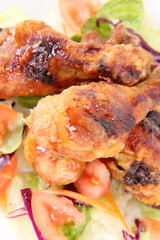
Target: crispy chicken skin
[(119, 35), (138, 165), (53, 168), (91, 121), (36, 60), (93, 37)]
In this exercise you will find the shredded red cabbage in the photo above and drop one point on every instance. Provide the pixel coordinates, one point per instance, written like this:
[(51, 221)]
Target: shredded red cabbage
[(4, 160), (17, 213), (156, 207), (127, 236), (27, 196), (140, 228), (143, 44), (107, 21), (75, 201)]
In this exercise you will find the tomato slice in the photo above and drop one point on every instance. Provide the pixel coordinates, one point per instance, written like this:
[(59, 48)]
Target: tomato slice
[(50, 211), (7, 118), (93, 5), (94, 182), (7, 173), (153, 227), (76, 12)]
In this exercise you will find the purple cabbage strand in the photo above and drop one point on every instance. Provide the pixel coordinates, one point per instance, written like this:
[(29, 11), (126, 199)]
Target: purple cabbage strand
[(27, 196), (140, 228)]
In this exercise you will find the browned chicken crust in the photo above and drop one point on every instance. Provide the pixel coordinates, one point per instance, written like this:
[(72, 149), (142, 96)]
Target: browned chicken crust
[(138, 165), (36, 60), (93, 37), (53, 168), (119, 35), (91, 121)]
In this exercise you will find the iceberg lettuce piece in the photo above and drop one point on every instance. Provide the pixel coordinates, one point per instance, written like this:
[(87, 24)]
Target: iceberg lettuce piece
[(12, 16), (28, 101), (25, 178), (102, 226), (130, 12), (151, 35), (145, 236), (73, 231), (150, 212)]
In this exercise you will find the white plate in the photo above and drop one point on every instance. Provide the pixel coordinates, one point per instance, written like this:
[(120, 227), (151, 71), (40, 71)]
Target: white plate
[(39, 9)]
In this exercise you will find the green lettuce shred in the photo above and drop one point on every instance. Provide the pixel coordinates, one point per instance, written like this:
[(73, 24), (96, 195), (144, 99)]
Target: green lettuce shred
[(150, 212), (130, 12), (28, 101), (73, 231), (12, 16), (151, 35), (145, 236)]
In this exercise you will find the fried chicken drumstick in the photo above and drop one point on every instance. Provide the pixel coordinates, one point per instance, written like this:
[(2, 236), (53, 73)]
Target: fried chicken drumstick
[(84, 123), (36, 60), (138, 165)]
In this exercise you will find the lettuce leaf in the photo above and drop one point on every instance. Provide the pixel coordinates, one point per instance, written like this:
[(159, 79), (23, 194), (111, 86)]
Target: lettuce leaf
[(151, 35), (98, 226), (73, 231), (102, 226), (150, 212), (12, 16), (28, 101), (26, 178), (104, 29), (130, 12), (145, 236), (133, 16)]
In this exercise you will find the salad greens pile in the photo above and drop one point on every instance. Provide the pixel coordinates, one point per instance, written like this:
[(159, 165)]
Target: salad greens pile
[(98, 226), (12, 16), (131, 13)]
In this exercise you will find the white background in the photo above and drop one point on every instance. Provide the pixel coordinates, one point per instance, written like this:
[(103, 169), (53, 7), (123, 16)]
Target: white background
[(39, 8)]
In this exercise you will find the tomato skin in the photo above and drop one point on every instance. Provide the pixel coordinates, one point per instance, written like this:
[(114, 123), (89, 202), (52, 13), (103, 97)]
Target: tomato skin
[(50, 211), (76, 12), (7, 173), (93, 6), (94, 181), (7, 117), (153, 227)]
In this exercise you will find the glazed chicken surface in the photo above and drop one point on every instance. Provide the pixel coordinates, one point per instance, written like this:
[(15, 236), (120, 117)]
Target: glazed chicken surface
[(138, 165), (53, 168), (91, 121), (84, 123), (119, 35), (36, 60)]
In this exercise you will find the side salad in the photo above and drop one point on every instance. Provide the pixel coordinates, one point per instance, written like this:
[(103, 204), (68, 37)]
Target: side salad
[(32, 207)]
